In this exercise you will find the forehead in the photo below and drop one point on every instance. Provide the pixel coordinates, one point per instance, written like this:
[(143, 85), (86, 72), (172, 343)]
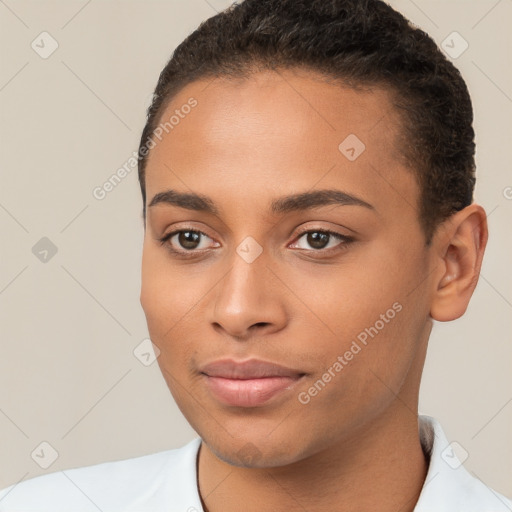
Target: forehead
[(252, 138)]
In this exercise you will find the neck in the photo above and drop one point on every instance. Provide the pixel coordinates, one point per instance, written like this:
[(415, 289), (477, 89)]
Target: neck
[(381, 467)]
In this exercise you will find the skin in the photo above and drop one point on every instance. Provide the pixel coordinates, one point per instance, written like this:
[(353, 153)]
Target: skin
[(246, 143)]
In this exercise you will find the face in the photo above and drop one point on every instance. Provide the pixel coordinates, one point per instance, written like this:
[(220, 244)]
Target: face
[(262, 268)]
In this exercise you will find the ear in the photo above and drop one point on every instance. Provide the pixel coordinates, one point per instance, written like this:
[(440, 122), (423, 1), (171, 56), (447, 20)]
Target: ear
[(458, 249)]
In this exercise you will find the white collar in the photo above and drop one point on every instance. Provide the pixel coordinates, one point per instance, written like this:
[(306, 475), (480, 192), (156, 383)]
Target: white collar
[(449, 487)]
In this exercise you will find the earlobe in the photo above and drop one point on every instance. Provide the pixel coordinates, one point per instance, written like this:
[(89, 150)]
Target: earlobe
[(460, 247)]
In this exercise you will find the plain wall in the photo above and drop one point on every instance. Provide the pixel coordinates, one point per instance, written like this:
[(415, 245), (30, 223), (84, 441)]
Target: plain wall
[(68, 326)]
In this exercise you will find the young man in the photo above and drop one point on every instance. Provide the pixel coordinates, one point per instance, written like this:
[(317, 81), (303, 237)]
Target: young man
[(307, 174)]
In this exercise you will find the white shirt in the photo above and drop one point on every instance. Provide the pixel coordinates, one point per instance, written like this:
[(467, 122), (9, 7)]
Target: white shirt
[(167, 481)]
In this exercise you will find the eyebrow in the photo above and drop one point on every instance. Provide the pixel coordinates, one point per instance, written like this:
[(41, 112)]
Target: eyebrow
[(285, 204)]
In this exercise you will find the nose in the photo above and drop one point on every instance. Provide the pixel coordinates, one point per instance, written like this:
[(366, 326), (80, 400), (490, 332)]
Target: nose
[(248, 301)]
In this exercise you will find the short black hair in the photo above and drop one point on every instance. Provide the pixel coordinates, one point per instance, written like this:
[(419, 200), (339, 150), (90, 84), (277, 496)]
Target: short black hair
[(362, 43)]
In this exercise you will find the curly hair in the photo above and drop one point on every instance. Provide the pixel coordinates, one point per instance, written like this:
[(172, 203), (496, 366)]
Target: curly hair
[(363, 43)]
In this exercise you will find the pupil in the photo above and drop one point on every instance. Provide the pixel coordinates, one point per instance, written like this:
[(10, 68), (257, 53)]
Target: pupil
[(318, 240), (188, 239)]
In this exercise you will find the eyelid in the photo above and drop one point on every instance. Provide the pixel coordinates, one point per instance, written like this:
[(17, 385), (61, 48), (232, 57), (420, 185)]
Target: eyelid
[(308, 229), (345, 240), (185, 226), (165, 238)]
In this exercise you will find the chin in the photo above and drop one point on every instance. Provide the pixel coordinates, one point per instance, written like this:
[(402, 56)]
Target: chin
[(263, 453)]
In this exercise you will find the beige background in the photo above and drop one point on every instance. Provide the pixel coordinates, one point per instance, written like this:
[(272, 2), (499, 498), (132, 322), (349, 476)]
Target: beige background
[(68, 375)]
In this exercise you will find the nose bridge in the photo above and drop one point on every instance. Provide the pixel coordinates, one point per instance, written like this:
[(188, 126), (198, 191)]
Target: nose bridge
[(246, 284), (246, 295)]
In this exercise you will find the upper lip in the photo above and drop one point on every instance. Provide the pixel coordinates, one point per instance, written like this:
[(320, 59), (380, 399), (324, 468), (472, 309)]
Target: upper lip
[(249, 369)]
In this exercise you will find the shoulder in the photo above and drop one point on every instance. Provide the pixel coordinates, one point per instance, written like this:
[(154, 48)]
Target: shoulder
[(147, 483), (449, 486)]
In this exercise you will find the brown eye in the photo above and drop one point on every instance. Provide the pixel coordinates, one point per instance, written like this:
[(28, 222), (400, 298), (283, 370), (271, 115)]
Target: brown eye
[(317, 239), (187, 242), (189, 239)]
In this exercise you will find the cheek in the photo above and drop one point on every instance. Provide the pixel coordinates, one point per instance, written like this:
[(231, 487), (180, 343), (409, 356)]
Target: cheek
[(166, 301), (372, 327), (173, 297), (360, 375), (344, 300), (168, 291)]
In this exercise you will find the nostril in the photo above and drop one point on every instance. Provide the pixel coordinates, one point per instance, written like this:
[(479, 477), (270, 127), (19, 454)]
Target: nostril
[(261, 324)]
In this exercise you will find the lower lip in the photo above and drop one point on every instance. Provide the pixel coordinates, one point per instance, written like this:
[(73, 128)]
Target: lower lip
[(248, 392)]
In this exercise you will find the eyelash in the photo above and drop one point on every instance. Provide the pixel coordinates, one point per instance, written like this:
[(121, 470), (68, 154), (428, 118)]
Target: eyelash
[(345, 241)]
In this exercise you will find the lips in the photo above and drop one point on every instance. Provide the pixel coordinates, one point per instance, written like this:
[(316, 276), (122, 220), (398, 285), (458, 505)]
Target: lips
[(250, 383)]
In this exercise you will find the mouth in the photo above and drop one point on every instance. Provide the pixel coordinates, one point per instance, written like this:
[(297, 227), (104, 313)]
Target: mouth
[(250, 383)]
